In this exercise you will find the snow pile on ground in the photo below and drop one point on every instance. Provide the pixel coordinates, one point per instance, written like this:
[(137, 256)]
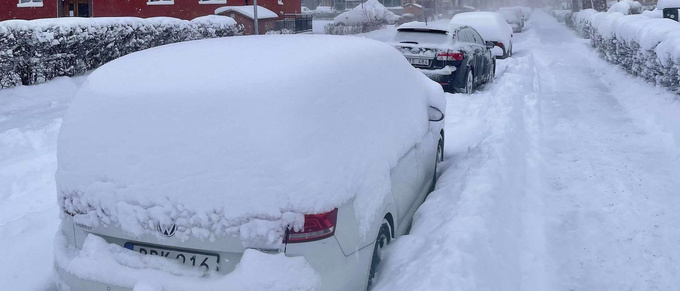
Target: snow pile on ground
[(113, 264), (30, 117), (662, 4), (33, 51), (158, 136), (464, 237), (647, 47), (367, 12)]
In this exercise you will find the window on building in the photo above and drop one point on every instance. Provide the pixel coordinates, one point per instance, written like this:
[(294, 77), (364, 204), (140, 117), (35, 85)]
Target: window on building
[(160, 2), (30, 3)]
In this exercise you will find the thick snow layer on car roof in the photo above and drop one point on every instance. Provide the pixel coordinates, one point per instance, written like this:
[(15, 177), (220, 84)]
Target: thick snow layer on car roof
[(216, 132), (490, 25)]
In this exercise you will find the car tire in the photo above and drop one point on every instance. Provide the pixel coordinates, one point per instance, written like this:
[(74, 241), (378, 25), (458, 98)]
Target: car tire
[(469, 82), (382, 240), (439, 158)]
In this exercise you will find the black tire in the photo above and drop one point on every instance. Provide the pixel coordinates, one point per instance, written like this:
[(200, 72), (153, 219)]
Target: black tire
[(382, 240), (438, 159), (469, 82)]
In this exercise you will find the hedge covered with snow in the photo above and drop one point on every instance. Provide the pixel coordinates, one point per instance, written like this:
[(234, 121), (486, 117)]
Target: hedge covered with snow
[(34, 51), (644, 46)]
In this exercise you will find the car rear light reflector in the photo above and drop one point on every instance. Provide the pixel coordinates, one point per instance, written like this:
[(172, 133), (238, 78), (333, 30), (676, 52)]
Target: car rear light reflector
[(317, 226), (450, 56), (499, 44)]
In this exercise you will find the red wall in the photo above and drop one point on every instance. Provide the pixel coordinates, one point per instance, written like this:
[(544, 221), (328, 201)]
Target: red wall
[(9, 10), (183, 9)]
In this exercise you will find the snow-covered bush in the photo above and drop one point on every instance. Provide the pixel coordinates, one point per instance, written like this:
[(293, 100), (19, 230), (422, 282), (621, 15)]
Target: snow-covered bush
[(38, 50), (626, 7), (643, 46), (339, 29), (282, 31)]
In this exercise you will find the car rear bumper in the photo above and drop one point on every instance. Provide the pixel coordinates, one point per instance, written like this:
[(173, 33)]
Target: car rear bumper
[(335, 270), (449, 77)]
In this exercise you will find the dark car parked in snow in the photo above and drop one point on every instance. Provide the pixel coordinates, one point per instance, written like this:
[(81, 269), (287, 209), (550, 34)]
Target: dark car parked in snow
[(455, 56)]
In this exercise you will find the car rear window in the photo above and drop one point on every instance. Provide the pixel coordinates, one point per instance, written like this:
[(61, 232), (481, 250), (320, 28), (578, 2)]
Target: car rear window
[(420, 36)]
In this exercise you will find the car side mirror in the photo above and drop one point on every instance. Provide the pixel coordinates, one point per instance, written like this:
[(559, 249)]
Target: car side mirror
[(435, 114), (490, 45)]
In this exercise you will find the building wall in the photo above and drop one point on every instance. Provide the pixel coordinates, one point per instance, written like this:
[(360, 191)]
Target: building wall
[(183, 9), (9, 10)]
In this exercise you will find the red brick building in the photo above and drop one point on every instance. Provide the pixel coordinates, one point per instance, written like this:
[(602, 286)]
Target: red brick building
[(183, 9)]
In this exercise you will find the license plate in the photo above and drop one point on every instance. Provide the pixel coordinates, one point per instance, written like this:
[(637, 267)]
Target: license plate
[(200, 260), (419, 62)]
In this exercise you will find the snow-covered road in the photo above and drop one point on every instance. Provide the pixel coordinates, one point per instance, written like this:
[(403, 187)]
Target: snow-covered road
[(561, 175)]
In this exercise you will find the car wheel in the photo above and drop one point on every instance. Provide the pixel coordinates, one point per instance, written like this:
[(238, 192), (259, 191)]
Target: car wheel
[(440, 157), (383, 239), (469, 82)]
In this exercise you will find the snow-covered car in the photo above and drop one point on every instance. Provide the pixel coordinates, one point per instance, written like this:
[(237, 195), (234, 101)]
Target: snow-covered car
[(370, 11), (305, 10), (513, 19), (455, 56), (180, 169), (517, 11), (492, 27)]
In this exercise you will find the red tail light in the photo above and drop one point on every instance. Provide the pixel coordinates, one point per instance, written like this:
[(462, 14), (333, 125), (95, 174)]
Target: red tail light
[(317, 226), (450, 56), (499, 44)]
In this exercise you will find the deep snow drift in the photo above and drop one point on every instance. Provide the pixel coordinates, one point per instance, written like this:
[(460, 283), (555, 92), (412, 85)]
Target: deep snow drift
[(562, 175)]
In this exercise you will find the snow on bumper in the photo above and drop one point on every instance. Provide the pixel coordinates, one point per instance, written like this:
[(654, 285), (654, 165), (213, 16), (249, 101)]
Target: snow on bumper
[(105, 266)]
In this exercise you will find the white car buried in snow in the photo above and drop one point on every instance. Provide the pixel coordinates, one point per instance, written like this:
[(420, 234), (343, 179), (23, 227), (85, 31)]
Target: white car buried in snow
[(492, 26), (194, 166)]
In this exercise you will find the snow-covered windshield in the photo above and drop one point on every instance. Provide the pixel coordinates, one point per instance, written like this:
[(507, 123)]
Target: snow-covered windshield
[(420, 36)]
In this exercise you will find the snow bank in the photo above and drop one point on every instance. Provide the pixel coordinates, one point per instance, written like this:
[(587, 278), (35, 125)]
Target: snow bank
[(38, 50), (160, 136), (644, 46), (662, 4), (466, 236), (256, 270), (30, 118)]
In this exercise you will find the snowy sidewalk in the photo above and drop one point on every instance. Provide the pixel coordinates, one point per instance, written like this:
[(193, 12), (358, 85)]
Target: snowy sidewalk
[(563, 175)]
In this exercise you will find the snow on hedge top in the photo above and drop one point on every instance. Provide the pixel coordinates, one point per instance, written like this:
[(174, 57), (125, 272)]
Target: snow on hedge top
[(662, 4), (213, 133), (369, 11), (45, 23), (249, 11), (626, 7), (490, 25)]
